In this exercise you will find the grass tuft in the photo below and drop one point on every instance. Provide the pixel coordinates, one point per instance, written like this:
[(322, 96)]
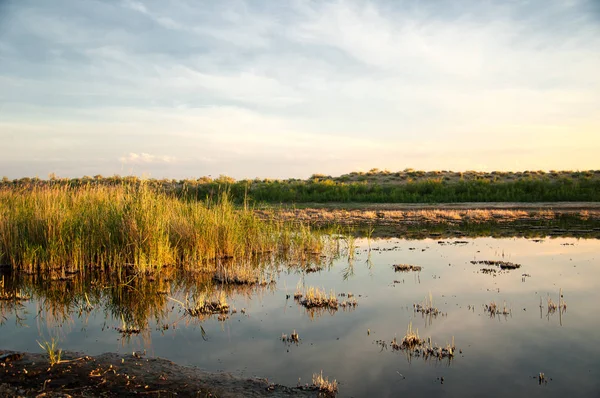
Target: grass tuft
[(52, 350), (324, 385)]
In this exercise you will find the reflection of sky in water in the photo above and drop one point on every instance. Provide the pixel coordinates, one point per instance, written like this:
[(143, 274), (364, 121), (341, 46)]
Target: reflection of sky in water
[(500, 355)]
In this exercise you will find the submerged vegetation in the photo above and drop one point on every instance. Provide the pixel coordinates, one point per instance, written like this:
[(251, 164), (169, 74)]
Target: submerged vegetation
[(96, 226)]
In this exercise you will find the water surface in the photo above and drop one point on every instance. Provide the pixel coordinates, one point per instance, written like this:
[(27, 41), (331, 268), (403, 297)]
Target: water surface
[(501, 354)]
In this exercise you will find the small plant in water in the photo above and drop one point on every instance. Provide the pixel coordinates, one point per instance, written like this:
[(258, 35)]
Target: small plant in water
[(51, 347), (407, 268), (426, 307), (202, 305), (324, 385), (317, 298), (292, 338), (413, 345), (493, 309)]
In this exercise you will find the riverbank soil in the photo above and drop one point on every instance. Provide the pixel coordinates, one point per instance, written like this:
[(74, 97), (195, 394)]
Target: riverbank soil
[(132, 375)]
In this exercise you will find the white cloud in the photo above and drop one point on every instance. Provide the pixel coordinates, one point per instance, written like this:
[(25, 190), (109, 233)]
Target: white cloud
[(145, 158)]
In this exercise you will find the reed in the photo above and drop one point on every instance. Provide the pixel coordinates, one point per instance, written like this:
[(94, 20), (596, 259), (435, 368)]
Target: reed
[(324, 385), (51, 347), (96, 226)]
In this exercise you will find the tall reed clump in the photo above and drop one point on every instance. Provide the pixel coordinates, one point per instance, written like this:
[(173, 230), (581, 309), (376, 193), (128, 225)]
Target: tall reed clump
[(136, 226)]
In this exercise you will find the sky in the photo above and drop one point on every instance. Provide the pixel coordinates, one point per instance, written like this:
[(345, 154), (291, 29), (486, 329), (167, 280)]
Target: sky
[(286, 89)]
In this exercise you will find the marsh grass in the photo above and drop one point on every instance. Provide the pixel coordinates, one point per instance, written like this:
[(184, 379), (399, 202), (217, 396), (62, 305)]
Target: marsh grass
[(113, 227), (504, 265), (413, 345), (313, 297), (205, 303), (407, 268), (51, 348), (324, 385), (426, 307), (493, 309)]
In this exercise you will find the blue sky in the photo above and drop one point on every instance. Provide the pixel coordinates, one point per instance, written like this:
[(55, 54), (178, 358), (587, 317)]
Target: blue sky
[(177, 88)]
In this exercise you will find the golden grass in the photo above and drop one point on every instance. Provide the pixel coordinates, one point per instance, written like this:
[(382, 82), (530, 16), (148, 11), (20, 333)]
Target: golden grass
[(54, 227), (313, 297), (324, 385), (51, 347)]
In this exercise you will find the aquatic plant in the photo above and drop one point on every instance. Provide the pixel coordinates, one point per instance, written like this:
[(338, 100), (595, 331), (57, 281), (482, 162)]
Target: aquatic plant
[(51, 347), (406, 267), (95, 226), (313, 297), (323, 384), (505, 265), (426, 307), (493, 309), (202, 304)]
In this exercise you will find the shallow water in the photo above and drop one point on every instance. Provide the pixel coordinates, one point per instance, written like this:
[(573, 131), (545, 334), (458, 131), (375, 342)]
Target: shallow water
[(501, 355)]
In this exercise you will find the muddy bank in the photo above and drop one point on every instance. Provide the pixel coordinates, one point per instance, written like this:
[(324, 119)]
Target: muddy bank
[(116, 375), (390, 214)]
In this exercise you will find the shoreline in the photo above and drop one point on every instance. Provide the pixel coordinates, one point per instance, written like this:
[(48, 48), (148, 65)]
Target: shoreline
[(556, 206), (25, 374), (450, 213)]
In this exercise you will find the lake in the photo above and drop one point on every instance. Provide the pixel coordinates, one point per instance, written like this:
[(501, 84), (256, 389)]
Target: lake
[(496, 353)]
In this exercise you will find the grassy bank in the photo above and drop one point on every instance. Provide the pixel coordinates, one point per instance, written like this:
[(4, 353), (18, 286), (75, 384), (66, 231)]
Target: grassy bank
[(58, 226), (408, 186)]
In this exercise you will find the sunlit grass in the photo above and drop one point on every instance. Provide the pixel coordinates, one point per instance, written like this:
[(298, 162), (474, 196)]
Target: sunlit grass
[(57, 227), (51, 348), (324, 385)]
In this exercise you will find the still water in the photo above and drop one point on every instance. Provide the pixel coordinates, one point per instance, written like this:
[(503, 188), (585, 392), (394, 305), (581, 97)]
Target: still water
[(499, 355)]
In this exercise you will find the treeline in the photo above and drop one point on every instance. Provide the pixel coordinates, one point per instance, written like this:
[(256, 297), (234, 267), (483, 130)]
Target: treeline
[(583, 186)]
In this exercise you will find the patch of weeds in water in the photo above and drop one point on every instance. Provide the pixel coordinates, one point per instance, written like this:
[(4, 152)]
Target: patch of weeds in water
[(317, 301), (93, 226), (407, 268), (292, 338), (505, 265), (492, 309), (314, 297), (413, 345), (324, 385), (488, 271), (202, 304), (553, 307), (427, 308)]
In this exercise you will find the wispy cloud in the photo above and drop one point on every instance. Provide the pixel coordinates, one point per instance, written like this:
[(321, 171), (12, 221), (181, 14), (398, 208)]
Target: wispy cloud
[(145, 158)]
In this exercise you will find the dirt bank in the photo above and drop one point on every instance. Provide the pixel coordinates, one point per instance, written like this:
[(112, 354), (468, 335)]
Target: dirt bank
[(116, 375), (390, 213)]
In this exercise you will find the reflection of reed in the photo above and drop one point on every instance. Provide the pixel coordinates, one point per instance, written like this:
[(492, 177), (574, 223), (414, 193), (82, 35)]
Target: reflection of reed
[(129, 300)]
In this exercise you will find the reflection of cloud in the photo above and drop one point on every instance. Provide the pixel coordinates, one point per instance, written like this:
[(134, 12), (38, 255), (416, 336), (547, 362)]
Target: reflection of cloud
[(145, 158)]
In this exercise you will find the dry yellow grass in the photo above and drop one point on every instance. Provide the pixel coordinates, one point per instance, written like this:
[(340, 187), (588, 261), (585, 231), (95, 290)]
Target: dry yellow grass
[(324, 384)]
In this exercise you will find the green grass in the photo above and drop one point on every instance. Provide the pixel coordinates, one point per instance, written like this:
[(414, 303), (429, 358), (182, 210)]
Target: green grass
[(375, 186), (49, 227), (51, 348)]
